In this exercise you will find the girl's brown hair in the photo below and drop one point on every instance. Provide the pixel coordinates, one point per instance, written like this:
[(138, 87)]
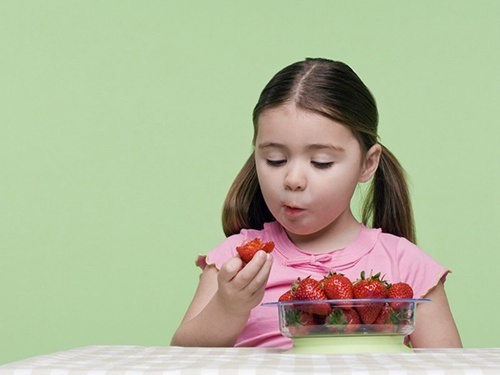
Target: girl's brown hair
[(331, 89)]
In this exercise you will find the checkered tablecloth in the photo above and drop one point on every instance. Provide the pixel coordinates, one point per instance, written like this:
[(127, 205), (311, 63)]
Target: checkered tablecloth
[(140, 360)]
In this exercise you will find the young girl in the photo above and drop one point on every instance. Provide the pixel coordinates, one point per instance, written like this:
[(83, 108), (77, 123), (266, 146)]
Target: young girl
[(315, 139)]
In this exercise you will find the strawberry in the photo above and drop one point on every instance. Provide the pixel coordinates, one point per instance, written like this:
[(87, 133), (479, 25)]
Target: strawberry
[(343, 320), (309, 289), (386, 320), (399, 290), (299, 322), (391, 320), (337, 286), (286, 297), (374, 288), (248, 249)]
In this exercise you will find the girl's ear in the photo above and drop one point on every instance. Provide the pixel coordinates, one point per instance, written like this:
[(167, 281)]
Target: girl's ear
[(370, 164)]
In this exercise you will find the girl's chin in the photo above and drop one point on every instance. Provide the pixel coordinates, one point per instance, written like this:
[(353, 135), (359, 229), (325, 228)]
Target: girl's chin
[(297, 229), (299, 224)]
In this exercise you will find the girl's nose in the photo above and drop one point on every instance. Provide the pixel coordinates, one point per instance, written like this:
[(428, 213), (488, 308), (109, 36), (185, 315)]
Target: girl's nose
[(295, 179)]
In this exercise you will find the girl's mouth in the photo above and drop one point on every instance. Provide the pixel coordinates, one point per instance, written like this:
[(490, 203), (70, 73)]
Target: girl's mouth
[(292, 211)]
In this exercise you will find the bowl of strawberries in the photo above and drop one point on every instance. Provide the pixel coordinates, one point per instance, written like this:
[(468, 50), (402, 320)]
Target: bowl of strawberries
[(335, 314)]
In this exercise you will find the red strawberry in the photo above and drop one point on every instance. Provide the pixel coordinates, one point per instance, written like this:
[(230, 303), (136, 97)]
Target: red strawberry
[(374, 288), (386, 320), (391, 320), (400, 290), (337, 286), (248, 249), (287, 296), (343, 320), (299, 322), (309, 289)]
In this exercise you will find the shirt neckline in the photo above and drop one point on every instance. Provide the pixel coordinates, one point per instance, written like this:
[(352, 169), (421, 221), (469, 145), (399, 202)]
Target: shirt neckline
[(336, 259)]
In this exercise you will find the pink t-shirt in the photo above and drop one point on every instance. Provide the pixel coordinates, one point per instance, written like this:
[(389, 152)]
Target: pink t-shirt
[(396, 258)]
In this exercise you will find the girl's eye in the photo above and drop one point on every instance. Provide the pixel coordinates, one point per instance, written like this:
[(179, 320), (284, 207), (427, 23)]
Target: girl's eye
[(275, 163), (322, 165)]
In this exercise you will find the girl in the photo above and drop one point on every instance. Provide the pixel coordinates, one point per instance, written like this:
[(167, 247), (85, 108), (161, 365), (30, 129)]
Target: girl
[(315, 139)]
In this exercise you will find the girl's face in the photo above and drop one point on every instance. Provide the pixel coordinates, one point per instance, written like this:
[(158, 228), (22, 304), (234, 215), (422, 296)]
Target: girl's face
[(308, 167)]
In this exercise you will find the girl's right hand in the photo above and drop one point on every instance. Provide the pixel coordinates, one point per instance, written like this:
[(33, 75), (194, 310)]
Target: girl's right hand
[(241, 287), (224, 298)]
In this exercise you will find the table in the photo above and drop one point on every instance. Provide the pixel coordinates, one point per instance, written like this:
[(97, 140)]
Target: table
[(157, 360)]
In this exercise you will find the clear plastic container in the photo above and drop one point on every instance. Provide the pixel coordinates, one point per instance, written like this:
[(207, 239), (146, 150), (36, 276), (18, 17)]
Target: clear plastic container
[(350, 325)]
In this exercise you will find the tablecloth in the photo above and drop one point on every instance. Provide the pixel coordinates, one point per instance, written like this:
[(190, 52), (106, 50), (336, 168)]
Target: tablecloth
[(156, 360)]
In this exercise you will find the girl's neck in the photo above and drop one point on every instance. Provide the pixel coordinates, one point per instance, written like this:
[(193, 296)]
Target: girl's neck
[(333, 237)]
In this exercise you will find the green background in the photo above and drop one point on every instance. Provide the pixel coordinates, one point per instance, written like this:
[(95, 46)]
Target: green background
[(123, 123)]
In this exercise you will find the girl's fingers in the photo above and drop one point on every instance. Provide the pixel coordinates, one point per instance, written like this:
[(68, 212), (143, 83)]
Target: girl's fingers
[(255, 274), (230, 269), (251, 269), (260, 280), (245, 282)]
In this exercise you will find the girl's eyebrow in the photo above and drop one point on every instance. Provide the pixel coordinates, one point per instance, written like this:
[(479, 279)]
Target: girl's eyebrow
[(270, 145), (312, 146), (328, 146)]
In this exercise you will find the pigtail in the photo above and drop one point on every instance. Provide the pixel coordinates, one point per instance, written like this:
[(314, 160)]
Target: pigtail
[(388, 202), (244, 206)]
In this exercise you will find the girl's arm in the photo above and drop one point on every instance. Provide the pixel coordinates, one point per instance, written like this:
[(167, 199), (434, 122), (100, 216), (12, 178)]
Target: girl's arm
[(435, 326), (221, 305)]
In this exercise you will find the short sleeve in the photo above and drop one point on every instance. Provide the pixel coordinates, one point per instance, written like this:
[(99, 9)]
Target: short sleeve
[(223, 251), (420, 270)]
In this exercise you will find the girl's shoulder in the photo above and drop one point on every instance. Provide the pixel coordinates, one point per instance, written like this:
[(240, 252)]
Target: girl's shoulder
[(388, 240), (402, 260), (385, 244)]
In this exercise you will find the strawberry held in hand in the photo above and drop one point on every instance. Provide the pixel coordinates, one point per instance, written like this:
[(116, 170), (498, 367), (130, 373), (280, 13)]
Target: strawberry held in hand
[(248, 249)]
